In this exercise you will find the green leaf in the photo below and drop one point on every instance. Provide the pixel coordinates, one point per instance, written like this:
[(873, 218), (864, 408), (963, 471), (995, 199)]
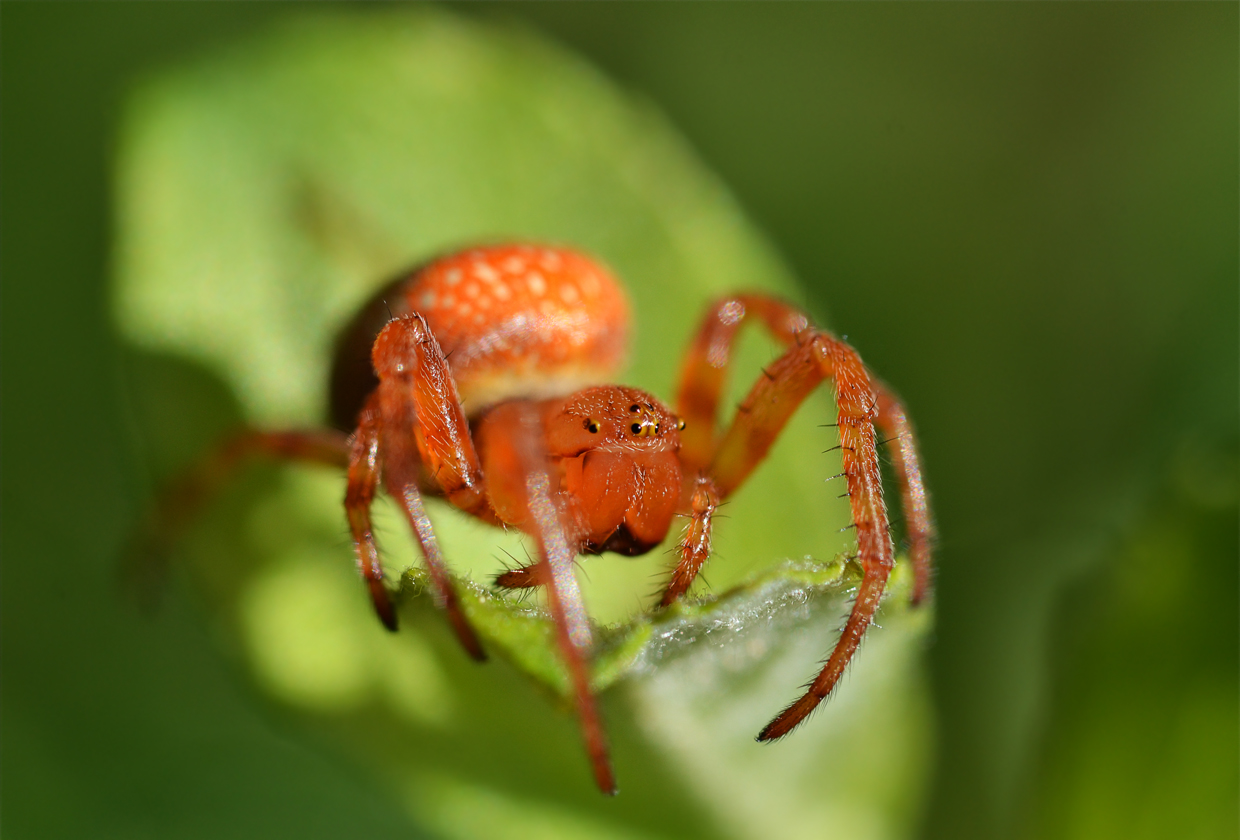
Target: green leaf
[(264, 193)]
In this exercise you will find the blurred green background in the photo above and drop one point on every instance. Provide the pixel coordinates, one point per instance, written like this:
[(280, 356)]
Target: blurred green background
[(1024, 216)]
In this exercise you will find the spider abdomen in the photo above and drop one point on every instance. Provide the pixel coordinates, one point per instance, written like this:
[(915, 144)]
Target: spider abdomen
[(524, 321)]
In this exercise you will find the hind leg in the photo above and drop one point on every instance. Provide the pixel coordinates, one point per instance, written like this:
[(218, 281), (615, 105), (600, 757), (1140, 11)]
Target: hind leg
[(145, 560)]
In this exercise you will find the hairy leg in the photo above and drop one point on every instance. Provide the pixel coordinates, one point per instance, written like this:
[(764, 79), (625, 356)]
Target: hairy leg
[(703, 378), (812, 357), (524, 577), (702, 381), (703, 374), (695, 543), (422, 411), (418, 414), (365, 468), (519, 487), (760, 418), (915, 502), (404, 489)]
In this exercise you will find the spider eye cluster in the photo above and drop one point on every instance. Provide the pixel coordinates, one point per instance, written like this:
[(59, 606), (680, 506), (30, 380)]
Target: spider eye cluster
[(646, 420), (635, 417)]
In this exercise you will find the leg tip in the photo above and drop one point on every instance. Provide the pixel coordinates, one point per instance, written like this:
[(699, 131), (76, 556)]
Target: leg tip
[(789, 719), (466, 635), (383, 604), (671, 595), (606, 781), (773, 731), (476, 652)]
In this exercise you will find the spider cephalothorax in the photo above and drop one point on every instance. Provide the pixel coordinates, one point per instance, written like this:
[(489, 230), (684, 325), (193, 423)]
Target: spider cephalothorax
[(475, 378)]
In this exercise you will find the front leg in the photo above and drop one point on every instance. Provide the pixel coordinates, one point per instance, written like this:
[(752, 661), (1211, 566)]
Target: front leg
[(403, 487), (703, 377), (422, 413), (760, 418), (695, 543), (520, 489), (423, 426), (704, 372), (702, 381)]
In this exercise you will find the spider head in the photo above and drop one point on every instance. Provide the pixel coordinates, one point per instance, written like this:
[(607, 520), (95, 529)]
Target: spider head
[(618, 451), (613, 418)]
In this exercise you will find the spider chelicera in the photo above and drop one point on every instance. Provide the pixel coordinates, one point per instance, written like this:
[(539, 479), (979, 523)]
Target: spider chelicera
[(475, 378)]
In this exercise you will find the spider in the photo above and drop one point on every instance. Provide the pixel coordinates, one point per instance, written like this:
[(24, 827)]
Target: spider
[(475, 378)]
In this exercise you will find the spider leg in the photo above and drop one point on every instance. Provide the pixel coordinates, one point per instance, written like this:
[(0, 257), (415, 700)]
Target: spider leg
[(418, 413), (523, 577), (914, 499), (519, 485), (704, 372), (365, 468), (178, 503), (812, 357), (420, 404), (702, 380), (696, 540), (761, 417), (701, 387), (405, 490), (868, 595)]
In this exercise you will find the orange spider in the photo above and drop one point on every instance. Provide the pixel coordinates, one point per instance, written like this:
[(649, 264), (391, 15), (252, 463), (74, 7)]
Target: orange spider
[(474, 378)]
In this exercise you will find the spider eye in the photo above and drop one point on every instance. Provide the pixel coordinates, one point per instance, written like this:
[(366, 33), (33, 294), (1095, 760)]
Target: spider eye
[(637, 428), (591, 426), (633, 408), (680, 424)]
